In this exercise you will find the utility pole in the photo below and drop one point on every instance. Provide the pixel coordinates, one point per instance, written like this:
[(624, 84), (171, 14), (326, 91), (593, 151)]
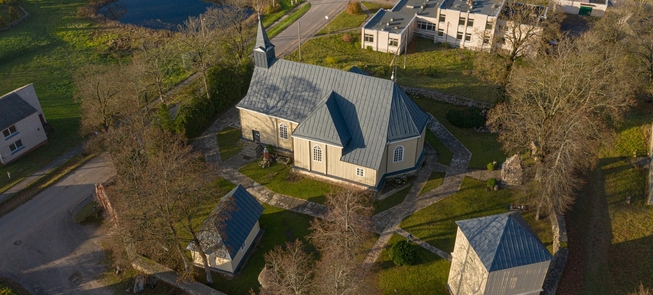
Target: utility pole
[(299, 37)]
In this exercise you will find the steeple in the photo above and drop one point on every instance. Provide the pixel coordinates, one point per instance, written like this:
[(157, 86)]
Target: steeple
[(263, 50)]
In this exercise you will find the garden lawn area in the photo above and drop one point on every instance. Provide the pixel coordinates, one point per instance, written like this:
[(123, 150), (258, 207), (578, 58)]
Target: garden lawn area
[(436, 224), (373, 7), (344, 21), (484, 146), (45, 49), (444, 154), (270, 18), (428, 275), (229, 143), (286, 22), (428, 65), (609, 240), (280, 226), (279, 179), (434, 181), (391, 201)]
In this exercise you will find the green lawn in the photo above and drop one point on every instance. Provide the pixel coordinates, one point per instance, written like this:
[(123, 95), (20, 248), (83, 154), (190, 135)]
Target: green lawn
[(286, 22), (427, 276), (228, 141), (444, 154), (373, 7), (45, 49), (436, 223), (391, 201), (285, 8), (434, 181), (428, 65), (280, 226), (279, 179), (484, 146), (344, 21)]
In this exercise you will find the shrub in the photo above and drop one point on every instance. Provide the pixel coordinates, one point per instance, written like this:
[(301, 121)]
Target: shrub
[(491, 183), (272, 7), (490, 166), (13, 14), (330, 60), (164, 119), (403, 253), (348, 38), (193, 115), (431, 72), (368, 47), (354, 8), (470, 117)]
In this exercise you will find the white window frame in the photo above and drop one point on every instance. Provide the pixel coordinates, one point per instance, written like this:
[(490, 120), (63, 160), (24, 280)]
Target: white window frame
[(398, 154), (317, 153), (368, 37), (360, 172), (283, 131), (468, 37), (459, 35), (462, 20), (442, 18), (8, 133), (15, 147), (393, 42), (440, 33), (513, 283), (470, 22)]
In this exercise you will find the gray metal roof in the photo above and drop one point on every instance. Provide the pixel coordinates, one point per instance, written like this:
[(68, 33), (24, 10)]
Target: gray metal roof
[(13, 108), (262, 40), (503, 241), (236, 214), (399, 17), (374, 110), (356, 70), (486, 7), (326, 123)]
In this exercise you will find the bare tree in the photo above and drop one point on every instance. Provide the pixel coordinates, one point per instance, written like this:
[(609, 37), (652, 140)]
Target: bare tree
[(288, 270), (234, 27), (95, 88), (563, 104), (339, 238), (642, 291), (159, 61), (198, 40), (640, 42)]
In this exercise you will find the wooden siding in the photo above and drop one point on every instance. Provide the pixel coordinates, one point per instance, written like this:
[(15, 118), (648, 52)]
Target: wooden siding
[(412, 150), (228, 265), (468, 275), (527, 279), (265, 125)]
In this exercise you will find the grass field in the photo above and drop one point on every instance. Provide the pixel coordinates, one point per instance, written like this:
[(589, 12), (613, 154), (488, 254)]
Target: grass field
[(45, 49), (4, 12), (436, 223), (434, 181), (427, 276), (391, 201), (373, 7), (286, 22), (343, 21), (278, 178), (484, 146), (444, 154), (428, 65), (228, 141)]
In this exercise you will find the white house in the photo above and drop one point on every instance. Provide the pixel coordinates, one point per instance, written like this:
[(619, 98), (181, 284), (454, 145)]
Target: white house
[(469, 24), (497, 254), (21, 122), (227, 241), (592, 7)]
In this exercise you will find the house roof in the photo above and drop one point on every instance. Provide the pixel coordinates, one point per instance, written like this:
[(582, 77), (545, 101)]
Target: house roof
[(503, 241), (236, 214), (262, 40), (395, 20), (13, 108), (326, 123), (374, 110), (357, 70)]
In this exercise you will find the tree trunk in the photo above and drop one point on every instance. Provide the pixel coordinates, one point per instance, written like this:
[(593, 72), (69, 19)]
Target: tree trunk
[(205, 261), (539, 209), (206, 84)]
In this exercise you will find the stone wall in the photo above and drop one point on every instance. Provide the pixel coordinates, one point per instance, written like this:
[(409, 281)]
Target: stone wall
[(650, 168), (557, 266), (439, 96), (13, 24)]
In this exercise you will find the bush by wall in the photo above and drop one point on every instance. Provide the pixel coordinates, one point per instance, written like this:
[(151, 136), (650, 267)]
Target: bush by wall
[(470, 117), (403, 253), (353, 8)]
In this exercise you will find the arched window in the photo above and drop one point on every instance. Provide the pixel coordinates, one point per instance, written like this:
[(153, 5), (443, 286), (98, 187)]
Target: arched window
[(317, 153), (283, 131), (398, 155)]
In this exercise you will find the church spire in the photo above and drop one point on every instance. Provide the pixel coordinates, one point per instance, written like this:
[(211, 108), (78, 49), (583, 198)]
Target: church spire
[(263, 49)]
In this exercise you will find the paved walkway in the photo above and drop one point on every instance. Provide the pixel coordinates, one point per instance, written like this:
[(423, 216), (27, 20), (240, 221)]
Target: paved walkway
[(40, 173)]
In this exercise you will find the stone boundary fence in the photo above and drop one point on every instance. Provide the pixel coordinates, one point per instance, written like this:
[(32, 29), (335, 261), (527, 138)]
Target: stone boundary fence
[(439, 96), (15, 23), (650, 168), (557, 266)]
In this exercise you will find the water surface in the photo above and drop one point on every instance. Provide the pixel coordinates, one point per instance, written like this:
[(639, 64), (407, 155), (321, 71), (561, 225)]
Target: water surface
[(156, 14)]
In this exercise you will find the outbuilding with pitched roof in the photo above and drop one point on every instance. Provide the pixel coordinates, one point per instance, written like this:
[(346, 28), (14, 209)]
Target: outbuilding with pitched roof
[(497, 254)]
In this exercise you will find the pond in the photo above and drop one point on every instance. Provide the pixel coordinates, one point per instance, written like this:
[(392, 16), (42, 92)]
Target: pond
[(155, 14)]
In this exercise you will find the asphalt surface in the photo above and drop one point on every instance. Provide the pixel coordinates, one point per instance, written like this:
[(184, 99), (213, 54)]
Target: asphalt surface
[(44, 250), (309, 24)]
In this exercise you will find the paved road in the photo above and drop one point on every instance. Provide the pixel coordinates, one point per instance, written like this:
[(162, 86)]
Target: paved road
[(44, 250), (310, 23)]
